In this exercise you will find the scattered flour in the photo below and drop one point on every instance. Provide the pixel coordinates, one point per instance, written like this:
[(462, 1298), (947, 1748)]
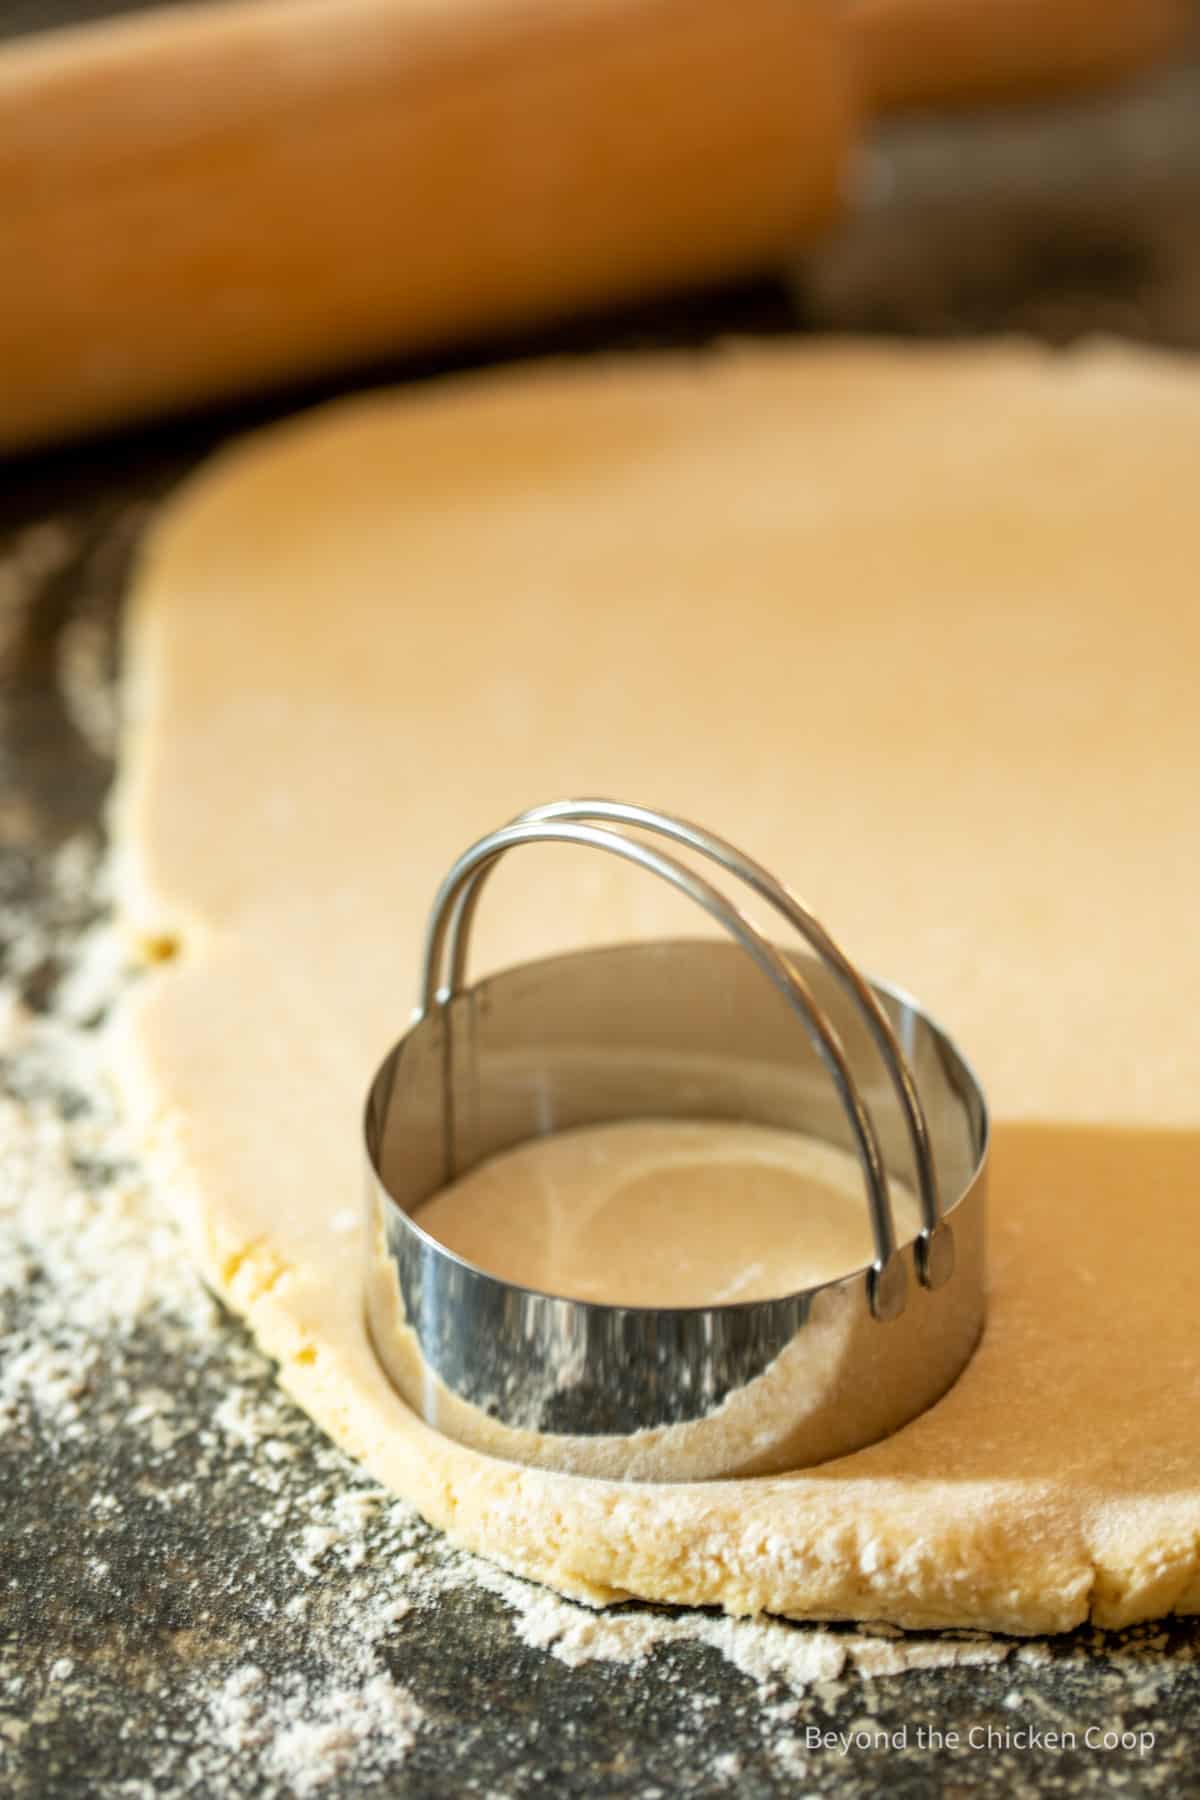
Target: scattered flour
[(302, 1740), (90, 1270), (771, 1652)]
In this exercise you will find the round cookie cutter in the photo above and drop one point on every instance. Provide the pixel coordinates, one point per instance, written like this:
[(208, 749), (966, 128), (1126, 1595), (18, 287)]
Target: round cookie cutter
[(696, 1029)]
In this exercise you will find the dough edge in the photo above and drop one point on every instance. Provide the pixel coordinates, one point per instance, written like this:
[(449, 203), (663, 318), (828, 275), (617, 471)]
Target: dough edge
[(983, 1560)]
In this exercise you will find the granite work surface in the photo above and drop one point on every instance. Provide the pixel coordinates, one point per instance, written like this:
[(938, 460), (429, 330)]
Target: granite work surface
[(197, 1594)]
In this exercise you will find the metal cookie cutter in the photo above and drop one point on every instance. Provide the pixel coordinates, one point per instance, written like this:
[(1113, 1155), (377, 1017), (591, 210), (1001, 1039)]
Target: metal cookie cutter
[(687, 1029)]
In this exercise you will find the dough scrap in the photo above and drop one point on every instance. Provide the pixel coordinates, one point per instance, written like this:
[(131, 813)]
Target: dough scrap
[(916, 627)]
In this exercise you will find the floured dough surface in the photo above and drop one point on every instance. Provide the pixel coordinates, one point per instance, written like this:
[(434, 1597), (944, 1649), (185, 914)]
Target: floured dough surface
[(918, 629), (665, 1212)]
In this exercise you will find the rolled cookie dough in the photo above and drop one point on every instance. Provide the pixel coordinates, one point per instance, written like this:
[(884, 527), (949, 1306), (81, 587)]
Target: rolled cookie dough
[(919, 629), (665, 1212)]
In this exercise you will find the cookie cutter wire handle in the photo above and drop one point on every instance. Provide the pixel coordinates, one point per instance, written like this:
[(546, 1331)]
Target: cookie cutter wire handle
[(934, 1251), (886, 1280)]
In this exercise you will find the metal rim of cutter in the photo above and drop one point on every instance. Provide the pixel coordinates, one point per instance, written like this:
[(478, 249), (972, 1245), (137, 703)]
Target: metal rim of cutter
[(601, 824)]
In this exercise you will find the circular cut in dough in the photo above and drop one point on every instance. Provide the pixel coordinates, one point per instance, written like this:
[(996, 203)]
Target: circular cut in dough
[(916, 627), (665, 1212)]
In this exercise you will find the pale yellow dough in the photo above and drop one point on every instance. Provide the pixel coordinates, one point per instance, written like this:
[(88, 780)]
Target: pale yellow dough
[(920, 630), (665, 1212)]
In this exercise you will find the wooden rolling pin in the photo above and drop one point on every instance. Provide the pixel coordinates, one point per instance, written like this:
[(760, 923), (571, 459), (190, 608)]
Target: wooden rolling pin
[(200, 200)]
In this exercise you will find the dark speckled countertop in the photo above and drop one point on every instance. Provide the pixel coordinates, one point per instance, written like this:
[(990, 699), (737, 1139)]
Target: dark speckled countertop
[(197, 1595)]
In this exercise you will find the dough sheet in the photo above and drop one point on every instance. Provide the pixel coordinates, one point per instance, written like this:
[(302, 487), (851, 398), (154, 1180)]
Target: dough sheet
[(919, 629)]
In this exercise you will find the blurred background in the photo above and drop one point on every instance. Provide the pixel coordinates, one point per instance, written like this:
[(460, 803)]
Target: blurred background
[(213, 214), (1036, 171)]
